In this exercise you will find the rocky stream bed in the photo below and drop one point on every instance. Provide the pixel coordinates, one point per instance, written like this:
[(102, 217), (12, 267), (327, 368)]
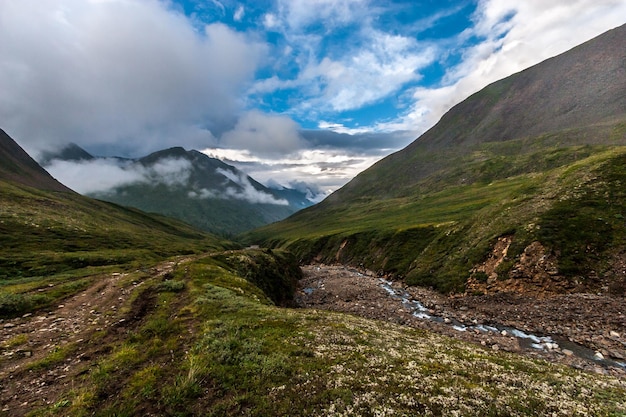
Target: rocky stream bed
[(586, 331)]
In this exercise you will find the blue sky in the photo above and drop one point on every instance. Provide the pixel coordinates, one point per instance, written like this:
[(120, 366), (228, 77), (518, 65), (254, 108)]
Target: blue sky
[(290, 91)]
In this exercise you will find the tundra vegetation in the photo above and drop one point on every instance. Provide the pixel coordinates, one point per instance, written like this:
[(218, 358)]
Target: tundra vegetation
[(208, 341)]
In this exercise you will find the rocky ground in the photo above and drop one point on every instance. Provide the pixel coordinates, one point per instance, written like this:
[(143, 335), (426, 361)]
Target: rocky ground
[(78, 331), (590, 325)]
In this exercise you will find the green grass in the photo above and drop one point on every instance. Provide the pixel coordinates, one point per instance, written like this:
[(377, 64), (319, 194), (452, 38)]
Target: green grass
[(437, 229), (220, 347), (51, 241)]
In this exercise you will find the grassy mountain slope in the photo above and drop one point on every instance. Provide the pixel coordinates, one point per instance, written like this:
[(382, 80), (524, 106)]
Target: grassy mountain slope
[(17, 166), (509, 161), (50, 237)]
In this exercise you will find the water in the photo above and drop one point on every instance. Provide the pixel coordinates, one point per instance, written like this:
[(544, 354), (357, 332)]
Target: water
[(526, 340)]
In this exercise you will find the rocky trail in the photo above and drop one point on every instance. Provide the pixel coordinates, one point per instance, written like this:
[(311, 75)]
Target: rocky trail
[(586, 331), (78, 330)]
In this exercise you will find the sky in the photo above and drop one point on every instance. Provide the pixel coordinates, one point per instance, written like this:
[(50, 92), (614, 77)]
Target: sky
[(290, 91)]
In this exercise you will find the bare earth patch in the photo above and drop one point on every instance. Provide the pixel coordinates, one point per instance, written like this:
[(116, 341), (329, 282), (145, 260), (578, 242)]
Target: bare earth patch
[(42, 353)]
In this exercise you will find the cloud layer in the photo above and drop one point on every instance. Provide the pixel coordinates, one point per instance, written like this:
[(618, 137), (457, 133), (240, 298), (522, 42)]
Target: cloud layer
[(118, 74), (289, 90), (105, 174)]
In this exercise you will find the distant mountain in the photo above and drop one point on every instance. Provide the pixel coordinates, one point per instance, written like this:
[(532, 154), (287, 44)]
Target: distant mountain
[(70, 152), (520, 186), (192, 187), (17, 166)]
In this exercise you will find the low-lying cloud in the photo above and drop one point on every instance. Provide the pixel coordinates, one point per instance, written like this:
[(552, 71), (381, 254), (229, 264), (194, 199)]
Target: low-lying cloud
[(246, 190), (106, 174)]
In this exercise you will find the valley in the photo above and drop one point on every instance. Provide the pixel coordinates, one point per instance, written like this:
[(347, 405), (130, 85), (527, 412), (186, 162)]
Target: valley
[(192, 336), (479, 271), (580, 330)]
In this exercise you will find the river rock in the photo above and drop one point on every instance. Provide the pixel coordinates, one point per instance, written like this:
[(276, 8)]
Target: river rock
[(567, 352)]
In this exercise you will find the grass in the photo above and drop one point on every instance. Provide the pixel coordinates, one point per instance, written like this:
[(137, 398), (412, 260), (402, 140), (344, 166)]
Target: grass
[(217, 348), (435, 230), (53, 244)]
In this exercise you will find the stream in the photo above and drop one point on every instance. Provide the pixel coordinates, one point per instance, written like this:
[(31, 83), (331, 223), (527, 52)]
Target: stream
[(526, 340)]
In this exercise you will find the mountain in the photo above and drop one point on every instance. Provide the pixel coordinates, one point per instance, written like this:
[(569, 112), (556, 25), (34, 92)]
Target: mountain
[(17, 166), (70, 152), (46, 229), (190, 186), (518, 187)]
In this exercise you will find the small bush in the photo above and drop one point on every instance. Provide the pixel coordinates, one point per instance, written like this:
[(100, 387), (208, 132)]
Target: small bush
[(171, 286), (480, 276)]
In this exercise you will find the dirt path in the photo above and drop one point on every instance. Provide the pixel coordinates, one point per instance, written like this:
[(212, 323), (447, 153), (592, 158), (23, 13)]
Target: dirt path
[(597, 322), (76, 331)]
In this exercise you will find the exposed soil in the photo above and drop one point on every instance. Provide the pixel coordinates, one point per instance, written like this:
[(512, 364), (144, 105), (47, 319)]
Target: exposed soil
[(595, 321), (81, 328)]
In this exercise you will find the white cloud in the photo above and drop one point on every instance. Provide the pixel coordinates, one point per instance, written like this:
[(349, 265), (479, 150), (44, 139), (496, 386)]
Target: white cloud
[(239, 13), (270, 21), (246, 191), (105, 174), (125, 72), (368, 66), (372, 73), (515, 36), (170, 171), (95, 176), (301, 13), (264, 134), (329, 169)]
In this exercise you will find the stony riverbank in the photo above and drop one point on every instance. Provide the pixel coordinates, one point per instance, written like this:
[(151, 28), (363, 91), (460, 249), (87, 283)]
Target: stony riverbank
[(586, 328)]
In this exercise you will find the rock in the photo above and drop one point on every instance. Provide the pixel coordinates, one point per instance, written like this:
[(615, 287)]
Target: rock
[(614, 334), (495, 347), (598, 356), (567, 352), (9, 325), (504, 333)]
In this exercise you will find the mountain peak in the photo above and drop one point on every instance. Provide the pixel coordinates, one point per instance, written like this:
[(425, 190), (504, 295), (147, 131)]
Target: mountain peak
[(18, 167)]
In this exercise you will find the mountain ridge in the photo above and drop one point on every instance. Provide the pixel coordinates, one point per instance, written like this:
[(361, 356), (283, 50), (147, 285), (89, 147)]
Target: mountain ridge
[(432, 213), (193, 187)]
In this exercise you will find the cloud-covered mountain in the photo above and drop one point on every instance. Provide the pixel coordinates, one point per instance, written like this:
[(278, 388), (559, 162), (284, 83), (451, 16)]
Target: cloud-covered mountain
[(187, 185)]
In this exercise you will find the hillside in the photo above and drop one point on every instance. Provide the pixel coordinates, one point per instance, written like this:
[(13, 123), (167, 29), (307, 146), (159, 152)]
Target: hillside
[(195, 337), (51, 238), (536, 161), (17, 166), (192, 187)]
